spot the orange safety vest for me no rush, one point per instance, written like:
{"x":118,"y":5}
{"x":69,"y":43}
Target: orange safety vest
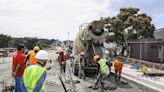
{"x":118,"y":66}
{"x":32,"y":59}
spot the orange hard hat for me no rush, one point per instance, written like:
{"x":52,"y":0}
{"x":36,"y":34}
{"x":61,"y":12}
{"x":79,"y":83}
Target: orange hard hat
{"x":96,"y":58}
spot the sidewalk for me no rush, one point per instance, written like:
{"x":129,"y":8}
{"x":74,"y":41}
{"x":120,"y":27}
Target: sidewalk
{"x":155,"y":83}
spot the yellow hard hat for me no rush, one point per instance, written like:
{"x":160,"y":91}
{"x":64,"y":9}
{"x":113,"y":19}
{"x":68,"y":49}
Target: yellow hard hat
{"x":96,"y":57}
{"x":36,"y":48}
{"x":144,"y":69}
{"x":82,"y":53}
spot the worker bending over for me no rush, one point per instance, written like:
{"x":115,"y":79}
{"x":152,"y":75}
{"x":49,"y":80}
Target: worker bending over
{"x":103,"y":71}
{"x":118,"y":69}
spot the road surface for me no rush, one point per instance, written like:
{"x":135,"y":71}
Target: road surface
{"x":53,"y":83}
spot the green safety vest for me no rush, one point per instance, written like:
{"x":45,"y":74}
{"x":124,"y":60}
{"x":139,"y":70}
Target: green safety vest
{"x":31,"y":76}
{"x":82,"y":62}
{"x":104,"y":69}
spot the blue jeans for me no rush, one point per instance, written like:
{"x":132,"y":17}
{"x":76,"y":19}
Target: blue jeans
{"x":17,"y":84}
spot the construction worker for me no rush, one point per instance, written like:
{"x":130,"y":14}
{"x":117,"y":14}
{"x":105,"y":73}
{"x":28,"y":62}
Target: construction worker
{"x":35,"y":75}
{"x":103,"y":71}
{"x":18,"y":66}
{"x":62,"y":61}
{"x":32,"y":55}
{"x":82,"y":65}
{"x":118,"y":69}
{"x":28,"y":56}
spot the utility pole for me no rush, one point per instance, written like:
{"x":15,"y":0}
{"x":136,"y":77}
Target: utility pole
{"x":68,"y":40}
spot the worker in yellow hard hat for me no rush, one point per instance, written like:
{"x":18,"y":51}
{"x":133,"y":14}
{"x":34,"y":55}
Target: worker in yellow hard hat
{"x":32,"y":55}
{"x":118,"y":69}
{"x":103,"y":70}
{"x":28,"y":56}
{"x":82,"y":65}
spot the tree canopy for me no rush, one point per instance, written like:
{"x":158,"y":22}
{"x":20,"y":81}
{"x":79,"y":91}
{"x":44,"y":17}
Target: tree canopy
{"x":129,"y":24}
{"x":4,"y":40}
{"x":8,"y":41}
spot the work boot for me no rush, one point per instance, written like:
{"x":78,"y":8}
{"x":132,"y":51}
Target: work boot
{"x":84,"y":78}
{"x":95,"y":88}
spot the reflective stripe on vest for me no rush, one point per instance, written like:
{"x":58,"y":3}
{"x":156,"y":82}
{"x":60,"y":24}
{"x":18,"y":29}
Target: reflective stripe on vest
{"x":103,"y":67}
{"x":31,"y":76}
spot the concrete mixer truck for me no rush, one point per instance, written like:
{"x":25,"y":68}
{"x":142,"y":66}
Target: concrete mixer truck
{"x":90,"y":40}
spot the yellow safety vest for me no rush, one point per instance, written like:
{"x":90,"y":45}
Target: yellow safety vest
{"x":83,"y":61}
{"x":104,"y":69}
{"x":31,"y":76}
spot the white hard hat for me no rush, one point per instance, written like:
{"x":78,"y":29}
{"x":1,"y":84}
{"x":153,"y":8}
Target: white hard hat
{"x":107,"y":52}
{"x":60,"y":49}
{"x":42,"y":55}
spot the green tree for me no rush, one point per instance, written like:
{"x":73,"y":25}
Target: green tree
{"x":7,"y":41}
{"x":4,"y":40}
{"x":30,"y":42}
{"x":129,"y":24}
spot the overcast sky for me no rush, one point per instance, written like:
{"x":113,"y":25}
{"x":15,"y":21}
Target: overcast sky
{"x":55,"y":18}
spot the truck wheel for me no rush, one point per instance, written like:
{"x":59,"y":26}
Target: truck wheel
{"x":76,"y":70}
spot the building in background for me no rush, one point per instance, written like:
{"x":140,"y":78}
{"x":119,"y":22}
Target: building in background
{"x":150,"y":49}
{"x":147,"y":49}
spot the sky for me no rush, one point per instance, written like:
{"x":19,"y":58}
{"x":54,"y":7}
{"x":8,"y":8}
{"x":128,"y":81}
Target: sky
{"x":54,"y":19}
